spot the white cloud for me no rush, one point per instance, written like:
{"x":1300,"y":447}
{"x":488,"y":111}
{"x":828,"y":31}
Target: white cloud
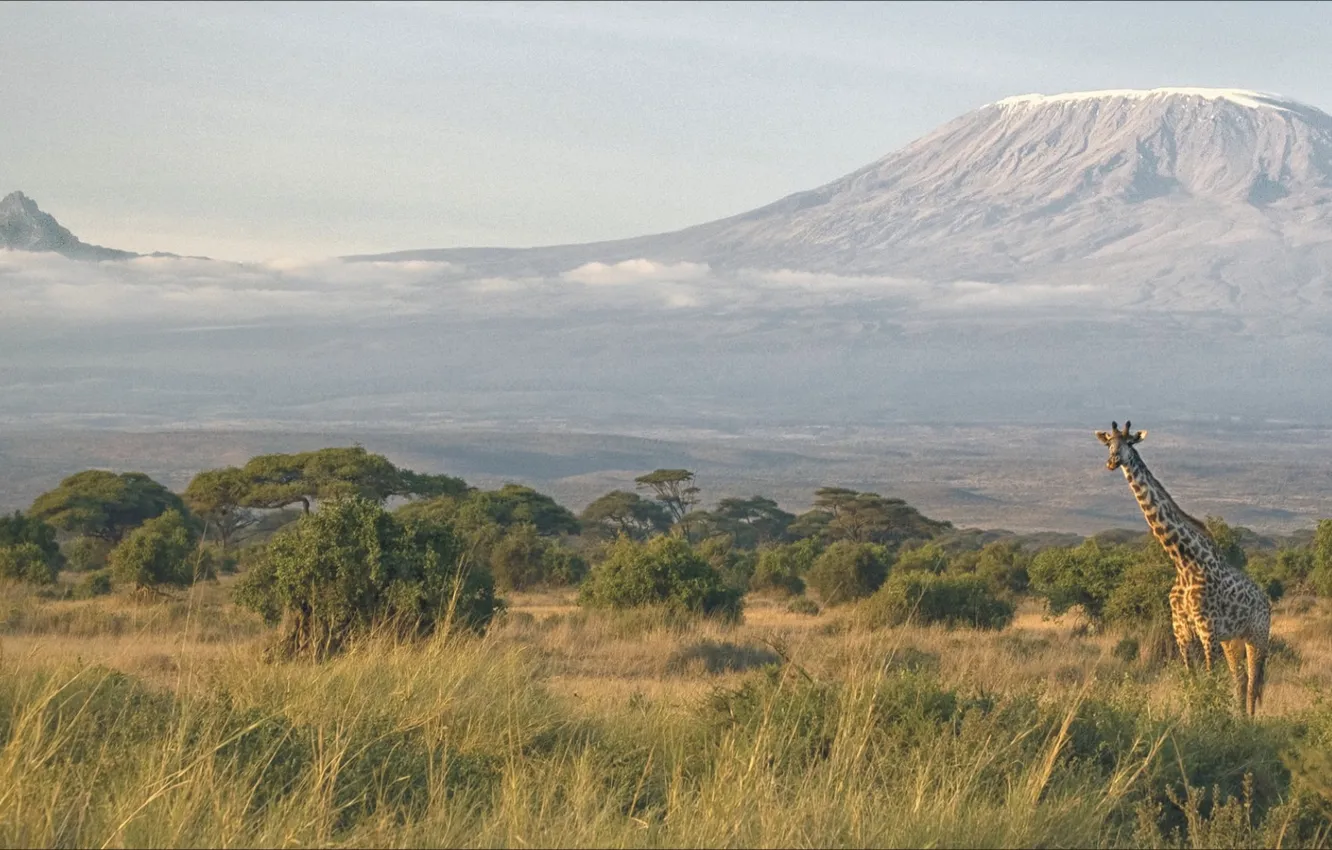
{"x":487,"y":285}
{"x":635,"y":271}
{"x":47,"y":287}
{"x":682,"y":296}
{"x":826,"y":281}
{"x":971,"y":294}
{"x":43,"y":289}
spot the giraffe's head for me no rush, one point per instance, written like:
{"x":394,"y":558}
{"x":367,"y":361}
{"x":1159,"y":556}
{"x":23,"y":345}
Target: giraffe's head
{"x":1119,"y":442}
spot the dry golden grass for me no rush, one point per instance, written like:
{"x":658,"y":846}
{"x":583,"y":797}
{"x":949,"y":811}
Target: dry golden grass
{"x":596,"y":659}
{"x":599,"y":659}
{"x":600,"y":729}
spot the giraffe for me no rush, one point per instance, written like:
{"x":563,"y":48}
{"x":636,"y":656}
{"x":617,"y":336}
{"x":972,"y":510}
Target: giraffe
{"x":1211,"y":601}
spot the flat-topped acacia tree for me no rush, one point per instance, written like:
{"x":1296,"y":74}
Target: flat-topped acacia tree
{"x":621,"y":512}
{"x":218,"y":497}
{"x":279,"y":480}
{"x":228,"y":498}
{"x":840,"y":513}
{"x":676,"y":490}
{"x":104,"y":505}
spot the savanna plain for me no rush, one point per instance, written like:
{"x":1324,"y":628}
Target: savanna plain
{"x":137,"y":725}
{"x":634,"y":676}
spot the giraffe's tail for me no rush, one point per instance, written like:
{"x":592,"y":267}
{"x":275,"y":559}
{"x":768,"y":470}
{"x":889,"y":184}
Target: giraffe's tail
{"x":1257,"y":659}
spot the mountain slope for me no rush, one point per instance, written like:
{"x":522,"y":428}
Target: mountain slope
{"x":24,"y":227}
{"x":1212,"y":197}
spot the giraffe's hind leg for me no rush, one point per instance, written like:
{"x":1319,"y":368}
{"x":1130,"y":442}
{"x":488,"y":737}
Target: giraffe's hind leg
{"x":1234,"y":650}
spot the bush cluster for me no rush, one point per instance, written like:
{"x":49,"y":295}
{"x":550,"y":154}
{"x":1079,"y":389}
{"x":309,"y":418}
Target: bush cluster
{"x":352,"y":568}
{"x":847,"y":571}
{"x":28,"y":550}
{"x":925,"y":598}
{"x":664,"y":571}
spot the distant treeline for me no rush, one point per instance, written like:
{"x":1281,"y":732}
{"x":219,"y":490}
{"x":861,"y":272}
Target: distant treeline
{"x":337,"y":540}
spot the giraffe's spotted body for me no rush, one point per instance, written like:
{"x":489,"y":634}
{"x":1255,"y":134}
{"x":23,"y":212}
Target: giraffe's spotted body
{"x":1212,"y":602}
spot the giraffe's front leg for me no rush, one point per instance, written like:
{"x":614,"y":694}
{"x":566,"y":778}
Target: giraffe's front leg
{"x":1182,"y":627}
{"x":1211,"y":646}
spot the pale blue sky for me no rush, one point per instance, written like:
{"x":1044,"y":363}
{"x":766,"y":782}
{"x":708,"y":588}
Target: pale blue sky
{"x":253,"y":131}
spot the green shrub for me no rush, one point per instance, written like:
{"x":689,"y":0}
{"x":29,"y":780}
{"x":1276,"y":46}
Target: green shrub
{"x":523,"y":559}
{"x":97,"y":583}
{"x":1314,"y":561}
{"x":1320,"y":580}
{"x":733,"y":564}
{"x":847,"y":571}
{"x":1227,"y":542}
{"x":209,"y":560}
{"x":929,"y":558}
{"x":1083,"y":576}
{"x":1141,"y":597}
{"x":514,"y":504}
{"x":156,"y":553}
{"x":516,"y":560}
{"x":664,"y":571}
{"x":1283,"y":571}
{"x":803,"y":554}
{"x":778,"y":569}
{"x":352,"y":567}
{"x":1274,"y":588}
{"x":926,"y":598}
{"x":1218,"y":749}
{"x":1003,"y":564}
{"x":85,"y":554}
{"x":562,"y":567}
{"x":26,"y":562}
{"x":28,"y":550}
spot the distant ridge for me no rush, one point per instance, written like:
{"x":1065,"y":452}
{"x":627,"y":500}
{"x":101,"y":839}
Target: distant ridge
{"x":25,"y":227}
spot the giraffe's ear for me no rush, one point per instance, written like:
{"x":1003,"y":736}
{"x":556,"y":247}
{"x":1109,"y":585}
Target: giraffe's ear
{"x":1138,"y":437}
{"x":1103,"y":436}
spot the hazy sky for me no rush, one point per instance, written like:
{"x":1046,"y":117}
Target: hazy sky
{"x":254,"y":131}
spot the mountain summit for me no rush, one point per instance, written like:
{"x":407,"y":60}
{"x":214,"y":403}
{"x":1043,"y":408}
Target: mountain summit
{"x":1213,"y":194}
{"x":24,"y":227}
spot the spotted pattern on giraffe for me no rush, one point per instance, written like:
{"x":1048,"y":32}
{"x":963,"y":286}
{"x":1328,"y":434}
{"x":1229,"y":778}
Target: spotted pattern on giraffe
{"x":1212,"y":604}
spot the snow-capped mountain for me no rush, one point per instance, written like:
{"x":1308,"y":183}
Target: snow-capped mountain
{"x":1177,"y":197}
{"x":24,"y":227}
{"x":1156,"y":255}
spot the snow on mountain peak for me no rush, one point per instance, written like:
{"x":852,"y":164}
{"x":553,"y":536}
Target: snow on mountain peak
{"x":1241,"y":97}
{"x":1211,"y":198}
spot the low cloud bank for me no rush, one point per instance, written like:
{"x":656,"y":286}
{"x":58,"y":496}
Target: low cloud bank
{"x":640,"y":341}
{"x":39,"y":288}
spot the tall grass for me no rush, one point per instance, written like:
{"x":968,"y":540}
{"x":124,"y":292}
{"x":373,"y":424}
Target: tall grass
{"x":616,"y":731}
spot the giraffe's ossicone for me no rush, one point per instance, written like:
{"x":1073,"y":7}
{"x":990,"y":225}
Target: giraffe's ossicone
{"x":1211,"y":601}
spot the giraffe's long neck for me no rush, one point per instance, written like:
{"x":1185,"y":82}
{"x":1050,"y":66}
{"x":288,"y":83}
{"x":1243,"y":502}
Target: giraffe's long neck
{"x":1183,"y":538}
